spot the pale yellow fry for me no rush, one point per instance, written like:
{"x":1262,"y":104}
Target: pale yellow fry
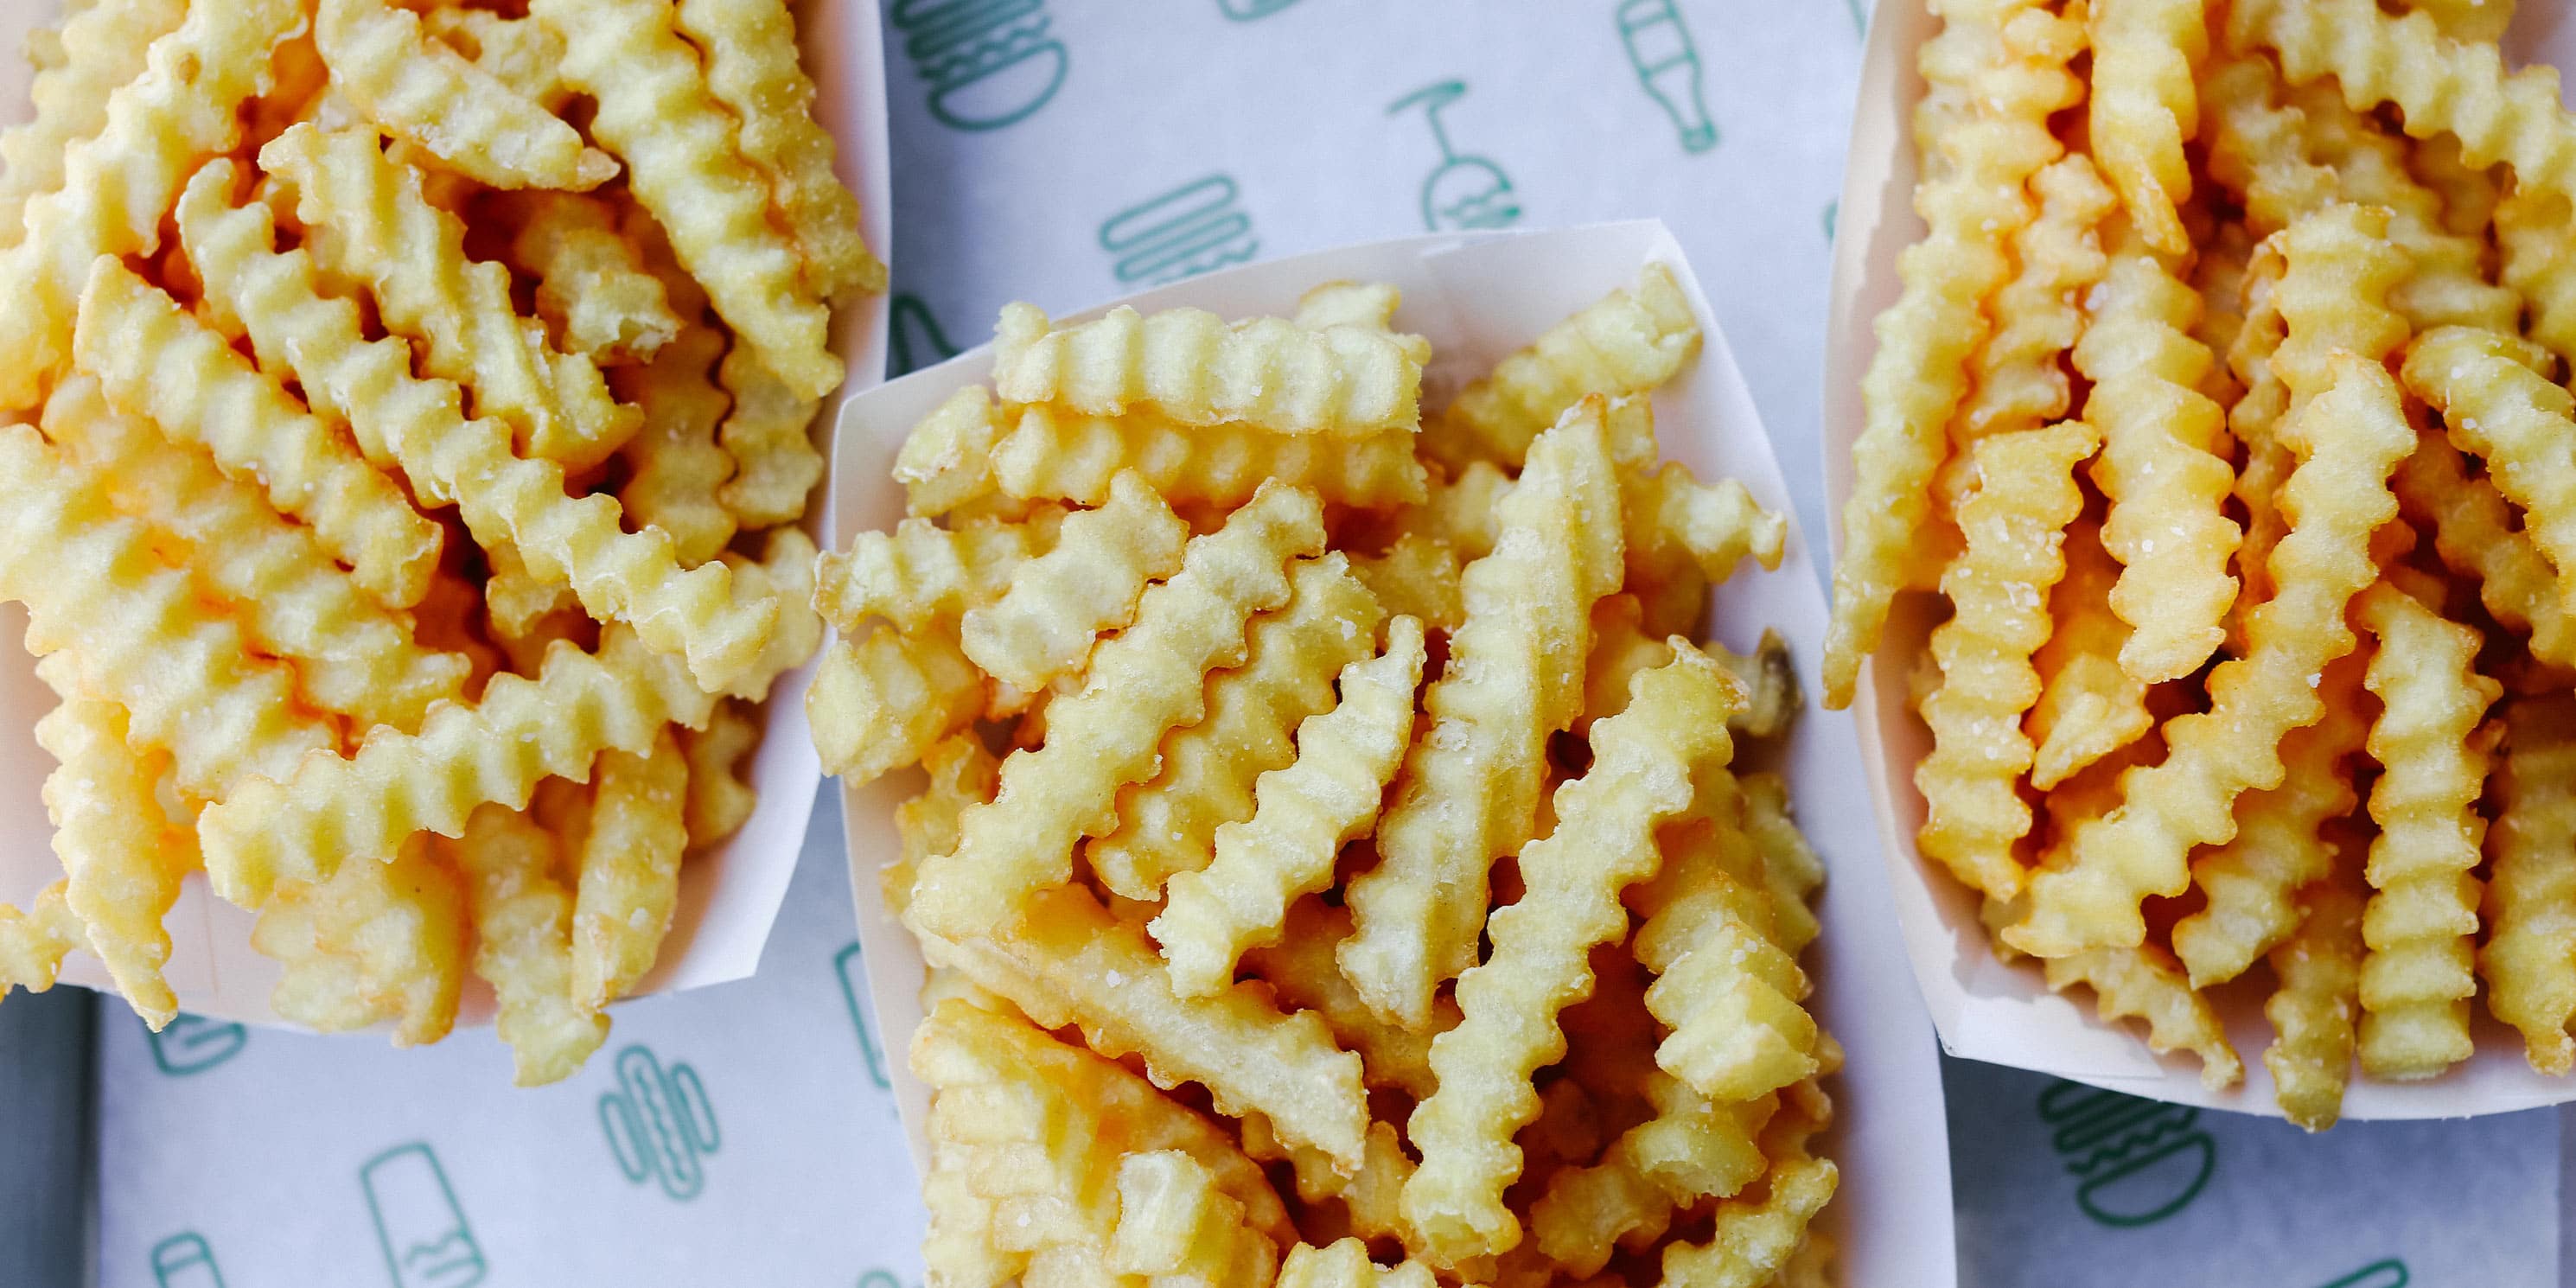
{"x":2088,"y":707}
{"x":783,"y":575}
{"x":2339,"y":270}
{"x":1299,"y":967}
{"x":1197,"y":369}
{"x":34,"y":942}
{"x":2423,"y":914}
{"x":1168,"y":824}
{"x":1416,"y":577}
{"x":685,"y":163}
{"x":2535,"y":232}
{"x":1370,"y":1200}
{"x":1997,"y":71}
{"x":2145,"y":984}
{"x":1143,"y":682}
{"x":947,"y":459}
{"x":674,"y":462}
{"x":2255,"y":420}
{"x":1469,"y":789}
{"x":2221,"y":275}
{"x":1753,"y":1239}
{"x":2160,"y":466}
{"x":2349,"y":439}
{"x":94,"y":51}
{"x":629,"y":869}
{"x":768,"y":434}
{"x":2016,"y":378}
{"x":518,"y":603}
{"x":1630,"y":341}
{"x":2470,"y":194}
{"x":1305,"y":812}
{"x":384,"y":232}
{"x":2144,"y":108}
{"x":1640,"y":777}
{"x":299,"y":828}
{"x":2015,"y":522}
{"x":877,"y":705}
{"x":117,"y":184}
{"x":352,"y":654}
{"x":153,"y":360}
{"x":1059,"y":603}
{"x":122,"y":858}
{"x":1346,"y":1264}
{"x":1623,"y":1200}
{"x":2529,"y":959}
{"x":2312,"y":1009}
{"x":421,"y":91}
{"x":591,"y":283}
{"x":2467,"y":19}
{"x":1460,"y":510}
{"x":1176,"y":1226}
{"x":1053,"y":455}
{"x":522,"y":53}
{"x":1678,"y":526}
{"x":376,"y":940}
{"x":752,"y":68}
{"x":1791,"y":869}
{"x":922,"y":573}
{"x":720,"y":796}
{"x":2475,"y":533}
{"x":2252,"y":883}
{"x":2494,"y":404}
{"x":962,"y":773}
{"x":2371,"y":167}
{"x":522,"y":919}
{"x":142,"y":636}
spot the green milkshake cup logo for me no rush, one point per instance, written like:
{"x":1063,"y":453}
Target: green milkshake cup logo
{"x":1181,"y":233}
{"x":2386,"y":1273}
{"x":1462,"y":192}
{"x":917,"y":341}
{"x":1667,"y":65}
{"x":1250,"y":10}
{"x":419,"y":1226}
{"x":853,"y":971}
{"x":193,"y":1044}
{"x":184,"y":1261}
{"x":2138,"y":1161}
{"x":990,"y":63}
{"x":659,"y":1123}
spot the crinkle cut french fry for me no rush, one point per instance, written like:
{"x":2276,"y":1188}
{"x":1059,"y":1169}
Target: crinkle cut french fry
{"x":1459,"y":510}
{"x":674,"y":462}
{"x":1677,"y":526}
{"x":2000,"y":67}
{"x":384,"y":232}
{"x":1368,"y":305}
{"x":2143,"y":983}
{"x":1053,"y":455}
{"x":2016,"y":378}
{"x":685,"y":164}
{"x":1197,"y":369}
{"x":1640,"y":777}
{"x":2529,"y":959}
{"x":922,"y":573}
{"x":1791,"y":869}
{"x":720,"y":799}
{"x":2467,"y":19}
{"x":34,"y":942}
{"x":1146,"y":680}
{"x":2470,"y":194}
{"x":2449,"y":283}
{"x":154,"y":360}
{"x":2495,"y":404}
{"x":522,"y":919}
{"x":962,"y":773}
{"x":1299,"y":968}
{"x":767,"y":433}
{"x":592,"y":286}
{"x":1058,"y":604}
{"x":1176,"y":1226}
{"x":377,"y":940}
{"x":1628,"y":342}
{"x":516,"y":601}
{"x":96,"y":50}
{"x":2475,"y":533}
{"x":2255,"y":420}
{"x":2220,"y":275}
{"x":2145,"y":108}
{"x":1469,"y":789}
{"x":504,"y":498}
{"x":1622,"y":1200}
{"x":2252,"y":883}
{"x":629,"y":869}
{"x":1417,"y":577}
{"x":2025,"y":496}
{"x":947,"y":459}
{"x":1346,"y":1264}
{"x":1306,"y":811}
{"x":1752,"y":1239}
{"x":297,"y":827}
{"x":145,"y":638}
{"x":2535,"y":232}
{"x":783,"y":575}
{"x":752,"y":68}
{"x":2423,"y":913}
{"x":2160,"y":466}
{"x":122,"y":857}
{"x":1370,"y":1199}
{"x":521,"y":53}
{"x":422,"y":91}
{"x":2349,"y":440}
{"x":877,"y":705}
{"x":117,"y":184}
{"x":2312,"y":1009}
{"x":2088,"y":707}
{"x":1167,"y":824}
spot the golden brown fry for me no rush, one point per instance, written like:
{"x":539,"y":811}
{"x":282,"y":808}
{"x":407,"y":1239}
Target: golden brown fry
{"x":2529,"y":959}
{"x":2312,"y":1010}
{"x":377,"y":940}
{"x":2144,"y":108}
{"x":2495,"y":403}
{"x":2088,"y":707}
{"x":2475,"y":533}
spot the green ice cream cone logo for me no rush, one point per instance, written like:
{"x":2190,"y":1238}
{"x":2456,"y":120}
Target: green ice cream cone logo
{"x":854,"y":983}
{"x":193,"y":1044}
{"x":1251,"y":10}
{"x":1462,"y":192}
{"x":2136,"y":1162}
{"x":989,"y":63}
{"x":659,"y":1123}
{"x":184,"y":1261}
{"x":915,"y":340}
{"x":419,"y":1226}
{"x":1189,"y":230}
{"x":1667,"y":65}
{"x":2386,"y":1273}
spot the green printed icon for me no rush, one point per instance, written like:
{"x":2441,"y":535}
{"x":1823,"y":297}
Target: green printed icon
{"x":184,"y":1261}
{"x":917,"y":340}
{"x":1250,"y":10}
{"x":854,"y":984}
{"x":659,"y":1123}
{"x":1461,"y":192}
{"x":2387,"y":1272}
{"x":1181,"y":233}
{"x":879,"y":1279}
{"x":421,"y":1230}
{"x":990,"y":63}
{"x":1832,"y":208}
{"x":193,"y":1044}
{"x":2139,"y":1161}
{"x":1659,"y":48}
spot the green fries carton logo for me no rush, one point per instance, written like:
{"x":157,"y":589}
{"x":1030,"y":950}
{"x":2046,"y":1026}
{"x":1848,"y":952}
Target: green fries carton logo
{"x":2136,"y":1161}
{"x":1181,"y":233}
{"x":184,"y":1261}
{"x":990,"y":63}
{"x":854,"y":982}
{"x":2386,"y":1273}
{"x":1251,"y":10}
{"x":192,"y":1044}
{"x":1667,"y":65}
{"x":419,"y":1226}
{"x":659,"y":1123}
{"x":917,"y":340}
{"x":1461,"y":192}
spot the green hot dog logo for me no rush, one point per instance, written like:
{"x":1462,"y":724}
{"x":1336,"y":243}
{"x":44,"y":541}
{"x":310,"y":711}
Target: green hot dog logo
{"x":184,"y":1261}
{"x":1192,"y":228}
{"x":854,"y":983}
{"x":659,"y":1123}
{"x":419,"y":1226}
{"x":990,"y":63}
{"x":194,"y":1044}
{"x":1462,"y":191}
{"x":2137,"y":1161}
{"x":1667,"y":66}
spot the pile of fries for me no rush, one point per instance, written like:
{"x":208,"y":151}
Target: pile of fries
{"x":1258,"y":707}
{"x":405,"y":501}
{"x":2286,"y":689}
